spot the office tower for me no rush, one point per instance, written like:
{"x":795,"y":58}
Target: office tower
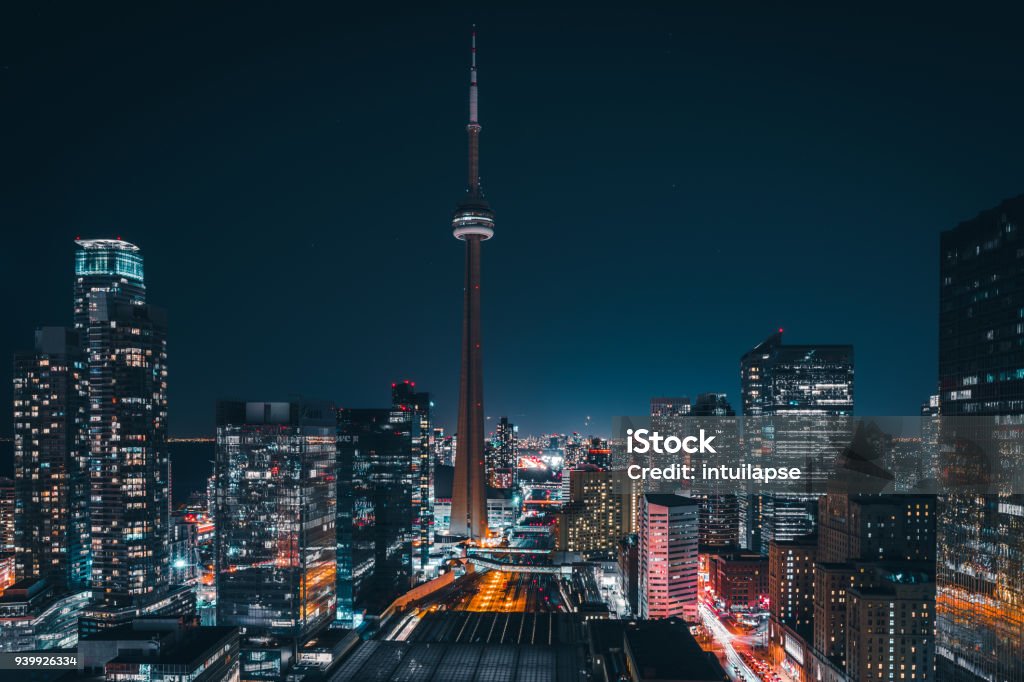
{"x":51,"y":460}
{"x":411,"y":415}
{"x":473,"y":223}
{"x":598,"y":512}
{"x":668,"y":556}
{"x":275,"y":552}
{"x":502,"y":455}
{"x":719,"y":506}
{"x":891,"y":628}
{"x":979,"y":619}
{"x":805,"y":379}
{"x":796,"y":399}
{"x":124,"y":341}
{"x":375,"y":510}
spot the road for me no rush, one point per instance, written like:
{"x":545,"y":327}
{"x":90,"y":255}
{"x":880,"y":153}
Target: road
{"x":725,"y":638}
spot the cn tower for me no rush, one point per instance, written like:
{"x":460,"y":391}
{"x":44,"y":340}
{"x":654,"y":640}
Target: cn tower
{"x":473,"y":223}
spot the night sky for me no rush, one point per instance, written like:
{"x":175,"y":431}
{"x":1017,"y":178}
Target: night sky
{"x":671,"y":184}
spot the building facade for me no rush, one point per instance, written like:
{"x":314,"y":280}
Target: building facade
{"x":51,"y":467}
{"x":276,"y":516}
{"x":796,"y":400}
{"x":668,"y":557}
{"x":124,"y":341}
{"x":980,"y":621}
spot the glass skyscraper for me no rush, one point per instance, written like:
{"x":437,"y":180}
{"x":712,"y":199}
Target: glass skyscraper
{"x":980,"y":581}
{"x":791,"y":395}
{"x":377,"y":448}
{"x":276,"y":515}
{"x":410,"y":412}
{"x":124,"y":342}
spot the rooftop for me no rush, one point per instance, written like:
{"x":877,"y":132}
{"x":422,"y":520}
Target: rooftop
{"x":117,"y":244}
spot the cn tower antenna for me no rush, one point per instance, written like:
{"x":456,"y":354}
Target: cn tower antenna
{"x":473,"y":128}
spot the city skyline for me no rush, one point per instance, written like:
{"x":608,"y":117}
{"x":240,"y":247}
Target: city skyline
{"x":292,"y":185}
{"x":764,"y":234}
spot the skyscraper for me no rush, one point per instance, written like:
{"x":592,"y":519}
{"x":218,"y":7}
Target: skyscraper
{"x":797,"y":379}
{"x":502,"y":455}
{"x":719,"y":509}
{"x":598,"y":512}
{"x":411,"y":414}
{"x":668,"y":557}
{"x":378,"y":515}
{"x":979,"y":619}
{"x":473,"y":223}
{"x":275,"y":554}
{"x":796,"y":400}
{"x":51,"y":459}
{"x":125,"y":346}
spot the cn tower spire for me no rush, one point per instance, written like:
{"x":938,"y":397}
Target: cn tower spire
{"x":473,"y":128}
{"x":473,"y":223}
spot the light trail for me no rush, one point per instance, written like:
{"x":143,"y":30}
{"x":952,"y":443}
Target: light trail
{"x":724,"y":637}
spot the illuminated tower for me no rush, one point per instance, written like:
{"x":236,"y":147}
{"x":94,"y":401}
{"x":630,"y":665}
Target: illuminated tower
{"x":473,"y":223}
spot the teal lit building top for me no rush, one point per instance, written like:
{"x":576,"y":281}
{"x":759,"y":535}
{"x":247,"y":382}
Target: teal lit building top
{"x":108,"y":257}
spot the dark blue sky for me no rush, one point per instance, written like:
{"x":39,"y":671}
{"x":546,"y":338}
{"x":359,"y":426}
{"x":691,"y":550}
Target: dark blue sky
{"x":671,"y":184}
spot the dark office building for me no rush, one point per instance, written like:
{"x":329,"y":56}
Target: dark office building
{"x":719,"y":509}
{"x":411,"y":414}
{"x":51,"y":468}
{"x":789,"y":394}
{"x":376,"y":509}
{"x":275,"y":546}
{"x":979,"y":619}
{"x":780,"y":378}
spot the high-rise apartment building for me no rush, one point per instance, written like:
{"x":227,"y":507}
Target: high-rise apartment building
{"x":501,"y":455}
{"x":51,"y":467}
{"x":979,"y":619}
{"x":598,"y":512}
{"x":124,"y":341}
{"x":668,"y":556}
{"x":276,"y":515}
